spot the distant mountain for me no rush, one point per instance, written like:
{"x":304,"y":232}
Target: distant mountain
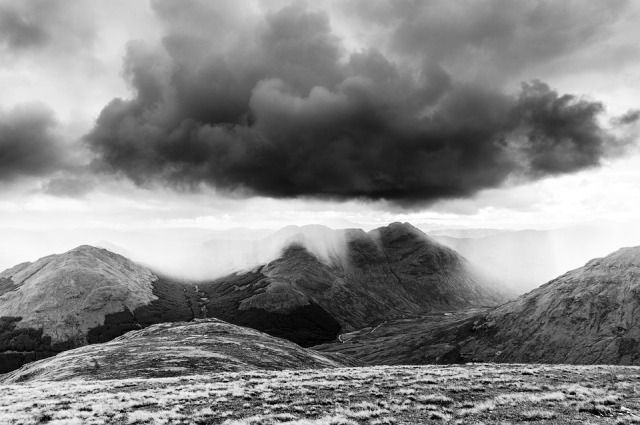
{"x":391,"y":272}
{"x":590,"y":315}
{"x":177,"y":349}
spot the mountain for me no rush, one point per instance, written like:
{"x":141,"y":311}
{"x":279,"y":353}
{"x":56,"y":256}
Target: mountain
{"x":391,"y":272}
{"x":324,"y":282}
{"x":590,"y":315}
{"x":177,"y":349}
{"x":85,"y":295}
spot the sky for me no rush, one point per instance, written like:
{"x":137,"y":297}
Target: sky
{"x":165,"y":116}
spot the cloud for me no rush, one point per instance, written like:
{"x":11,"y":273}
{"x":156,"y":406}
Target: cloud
{"x":30,"y":25}
{"x":488,"y":39}
{"x":282,"y":108}
{"x":29,"y":145}
{"x":628,"y":118}
{"x":69,"y":186}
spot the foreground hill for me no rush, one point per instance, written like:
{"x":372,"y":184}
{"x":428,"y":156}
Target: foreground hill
{"x":176,"y":349}
{"x":587,"y":316}
{"x":391,"y":272}
{"x":471,"y":394}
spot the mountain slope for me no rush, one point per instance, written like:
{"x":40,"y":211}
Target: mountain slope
{"x":85,"y":295}
{"x":177,"y":349}
{"x":590,"y":315}
{"x":391,"y":272}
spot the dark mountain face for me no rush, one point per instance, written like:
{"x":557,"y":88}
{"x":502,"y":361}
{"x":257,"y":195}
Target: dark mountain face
{"x":391,"y":272}
{"x":177,"y":349}
{"x":590,"y":315}
{"x":90,"y":295}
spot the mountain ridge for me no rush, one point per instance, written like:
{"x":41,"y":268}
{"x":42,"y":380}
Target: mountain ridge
{"x":589,"y":315}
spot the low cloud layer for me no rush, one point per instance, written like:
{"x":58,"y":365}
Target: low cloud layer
{"x":284,"y":109}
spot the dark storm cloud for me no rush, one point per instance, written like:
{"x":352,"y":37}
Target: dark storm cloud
{"x":281,"y":108}
{"x":29,"y":25}
{"x":28,"y":143}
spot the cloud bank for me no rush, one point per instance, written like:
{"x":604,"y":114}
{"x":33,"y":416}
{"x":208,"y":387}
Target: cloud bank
{"x":276,"y":105}
{"x":401,"y":100}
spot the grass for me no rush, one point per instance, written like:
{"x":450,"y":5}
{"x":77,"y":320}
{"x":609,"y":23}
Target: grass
{"x":478,"y":393}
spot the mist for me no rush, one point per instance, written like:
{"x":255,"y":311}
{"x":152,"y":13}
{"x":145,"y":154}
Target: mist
{"x":525,"y":259}
{"x":189,"y":254}
{"x":519,"y":260}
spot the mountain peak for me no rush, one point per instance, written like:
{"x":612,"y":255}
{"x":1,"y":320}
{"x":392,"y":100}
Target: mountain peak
{"x":402,"y":231}
{"x":92,"y":251}
{"x":86,"y":248}
{"x":399,"y":227}
{"x":67,"y":294}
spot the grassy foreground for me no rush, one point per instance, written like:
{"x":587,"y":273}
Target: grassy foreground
{"x":468,"y":394}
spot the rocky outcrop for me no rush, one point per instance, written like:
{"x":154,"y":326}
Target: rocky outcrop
{"x":177,"y":349}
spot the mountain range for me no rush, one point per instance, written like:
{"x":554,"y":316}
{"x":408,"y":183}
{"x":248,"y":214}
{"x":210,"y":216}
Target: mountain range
{"x":389,"y":296}
{"x":90,"y":295}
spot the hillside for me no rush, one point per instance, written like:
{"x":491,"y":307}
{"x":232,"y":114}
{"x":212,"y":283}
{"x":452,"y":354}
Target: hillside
{"x":176,"y":349}
{"x":586,"y":316}
{"x":391,"y":272}
{"x":85,"y":295}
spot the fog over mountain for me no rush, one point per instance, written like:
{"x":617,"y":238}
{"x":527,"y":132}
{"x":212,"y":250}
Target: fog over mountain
{"x":521,"y":260}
